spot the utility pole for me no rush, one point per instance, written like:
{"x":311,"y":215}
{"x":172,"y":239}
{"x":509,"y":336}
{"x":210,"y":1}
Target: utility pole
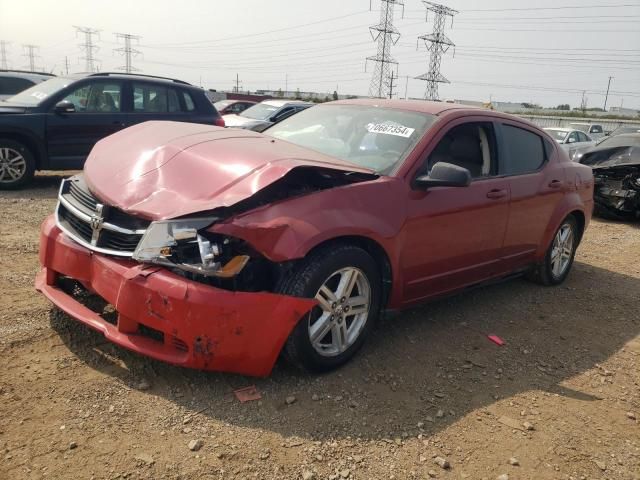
{"x":90,"y":62}
{"x":386,"y":35}
{"x":31,"y":54}
{"x":4,"y":64}
{"x":286,"y":84}
{"x":127,"y":50}
{"x":583,"y":102}
{"x":66,"y":64}
{"x":237,"y":87}
{"x":391,"y":84}
{"x":406,"y":86}
{"x":437,"y":43}
{"x":607,"y":95}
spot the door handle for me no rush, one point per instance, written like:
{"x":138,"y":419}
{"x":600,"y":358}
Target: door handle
{"x":555,"y":184}
{"x":495,"y":194}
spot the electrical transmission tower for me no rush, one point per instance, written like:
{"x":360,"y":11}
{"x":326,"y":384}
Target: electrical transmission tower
{"x":437,"y":43}
{"x":90,"y":62}
{"x":31,"y":54}
{"x":4,"y":64}
{"x":386,"y":35}
{"x":128,"y":51}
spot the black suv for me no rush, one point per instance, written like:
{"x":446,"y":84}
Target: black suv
{"x":54,"y":125}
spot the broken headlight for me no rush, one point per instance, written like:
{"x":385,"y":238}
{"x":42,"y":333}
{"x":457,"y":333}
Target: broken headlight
{"x":182,"y":244}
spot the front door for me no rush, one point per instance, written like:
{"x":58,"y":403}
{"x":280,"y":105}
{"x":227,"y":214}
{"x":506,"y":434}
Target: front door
{"x":454,"y":235}
{"x":98,"y":113}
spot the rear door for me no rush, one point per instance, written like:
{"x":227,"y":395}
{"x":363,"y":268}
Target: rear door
{"x":98,"y":113}
{"x":537,"y":184}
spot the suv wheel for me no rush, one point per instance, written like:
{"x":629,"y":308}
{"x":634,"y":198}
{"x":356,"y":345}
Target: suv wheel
{"x":17,"y":164}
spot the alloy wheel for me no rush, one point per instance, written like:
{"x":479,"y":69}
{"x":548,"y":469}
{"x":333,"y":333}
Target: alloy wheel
{"x":562,"y":250}
{"x":344,"y":302}
{"x":13,"y":165}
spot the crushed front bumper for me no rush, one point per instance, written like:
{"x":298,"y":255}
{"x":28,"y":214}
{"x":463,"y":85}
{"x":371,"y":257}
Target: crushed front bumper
{"x":165,"y":316}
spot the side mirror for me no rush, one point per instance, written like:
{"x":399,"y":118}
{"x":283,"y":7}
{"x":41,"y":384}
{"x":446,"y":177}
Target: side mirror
{"x":64,"y":107}
{"x":444,"y":175}
{"x":571,"y":140}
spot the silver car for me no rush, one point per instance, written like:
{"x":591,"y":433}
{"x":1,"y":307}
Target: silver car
{"x":571,"y":140}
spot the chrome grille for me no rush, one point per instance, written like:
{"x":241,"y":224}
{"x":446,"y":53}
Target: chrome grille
{"x":94,"y":225}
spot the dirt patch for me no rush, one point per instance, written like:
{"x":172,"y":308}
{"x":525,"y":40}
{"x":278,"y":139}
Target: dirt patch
{"x":561,"y":399}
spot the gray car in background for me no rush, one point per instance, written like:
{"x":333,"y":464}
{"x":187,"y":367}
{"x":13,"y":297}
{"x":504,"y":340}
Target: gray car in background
{"x":15,"y":81}
{"x":264,"y":114}
{"x":571,"y":140}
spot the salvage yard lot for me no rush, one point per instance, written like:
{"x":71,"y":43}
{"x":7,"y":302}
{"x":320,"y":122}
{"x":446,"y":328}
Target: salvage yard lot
{"x":427,"y":384}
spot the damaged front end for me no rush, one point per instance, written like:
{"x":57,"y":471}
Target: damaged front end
{"x":617,"y":191}
{"x":616,"y":172}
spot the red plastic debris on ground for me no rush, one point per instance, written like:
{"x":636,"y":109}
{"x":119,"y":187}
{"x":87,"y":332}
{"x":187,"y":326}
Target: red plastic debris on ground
{"x":247,"y":394}
{"x":496,"y":339}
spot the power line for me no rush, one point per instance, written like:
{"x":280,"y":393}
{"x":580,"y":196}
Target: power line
{"x":4,"y":64}
{"x":437,"y":43}
{"x":386,"y":35}
{"x":90,"y":62}
{"x":31,"y":54}
{"x":566,"y":7}
{"x":128,"y":51}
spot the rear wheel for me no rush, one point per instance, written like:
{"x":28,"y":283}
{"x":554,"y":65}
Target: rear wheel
{"x":346,"y":283}
{"x":559,"y":257}
{"x":17,"y":164}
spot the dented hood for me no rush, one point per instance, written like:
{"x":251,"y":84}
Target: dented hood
{"x":161,"y":170}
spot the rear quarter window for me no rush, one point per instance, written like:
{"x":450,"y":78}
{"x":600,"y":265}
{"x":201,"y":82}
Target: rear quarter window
{"x":13,"y":85}
{"x":524,"y":151}
{"x":188,"y":101}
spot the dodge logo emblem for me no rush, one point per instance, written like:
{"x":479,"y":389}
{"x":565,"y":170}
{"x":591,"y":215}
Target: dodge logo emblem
{"x":96,"y":223}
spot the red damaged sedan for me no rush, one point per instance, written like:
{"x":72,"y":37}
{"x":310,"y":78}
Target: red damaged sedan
{"x":219,"y":249}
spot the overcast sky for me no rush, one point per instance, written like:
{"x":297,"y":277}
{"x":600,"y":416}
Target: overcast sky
{"x":507,"y":50}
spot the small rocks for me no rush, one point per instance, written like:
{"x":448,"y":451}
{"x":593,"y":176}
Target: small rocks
{"x":195,"y":445}
{"x":315,"y":397}
{"x":631,"y":416}
{"x":601,"y":465}
{"x":145,"y":458}
{"x":73,"y":445}
{"x":112,"y":409}
{"x":504,"y":476}
{"x":308,"y":475}
{"x":143,"y":385}
{"x":528,"y":426}
{"x":345,"y":473}
{"x":422,"y":458}
{"x":442,"y":463}
{"x":290,"y":400}
{"x":432,"y":474}
{"x":440,"y":414}
{"x":514,"y":462}
{"x":264,"y":455}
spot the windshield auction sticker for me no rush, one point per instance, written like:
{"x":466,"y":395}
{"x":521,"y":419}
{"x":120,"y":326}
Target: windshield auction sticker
{"x":387,"y":129}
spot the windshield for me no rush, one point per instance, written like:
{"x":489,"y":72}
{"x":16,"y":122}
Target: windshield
{"x":620,"y":141}
{"x":36,"y":94}
{"x":260,"y":111}
{"x":557,"y":134}
{"x":368,"y":136}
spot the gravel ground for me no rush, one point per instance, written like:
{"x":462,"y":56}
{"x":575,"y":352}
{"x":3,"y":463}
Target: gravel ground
{"x":428,"y":397}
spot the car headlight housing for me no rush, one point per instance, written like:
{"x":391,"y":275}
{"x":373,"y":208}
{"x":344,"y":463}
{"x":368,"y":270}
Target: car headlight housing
{"x":182,"y":244}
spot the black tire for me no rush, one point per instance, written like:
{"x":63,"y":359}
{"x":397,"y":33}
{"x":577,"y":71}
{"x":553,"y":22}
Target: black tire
{"x":29,"y":167}
{"x":543,"y":273}
{"x":305,"y":281}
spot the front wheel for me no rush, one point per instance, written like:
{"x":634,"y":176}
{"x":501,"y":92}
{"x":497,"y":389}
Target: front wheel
{"x":559,"y":257}
{"x":346,"y":283}
{"x":17,"y":164}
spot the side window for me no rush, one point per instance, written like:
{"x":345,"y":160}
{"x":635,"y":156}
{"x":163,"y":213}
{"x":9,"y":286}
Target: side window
{"x":188,"y":102}
{"x":96,"y":97}
{"x":524,"y":151}
{"x":149,"y":98}
{"x":595,"y":129}
{"x":470,"y":145}
{"x":283,"y":114}
{"x":582,"y":137}
{"x":573,"y":137}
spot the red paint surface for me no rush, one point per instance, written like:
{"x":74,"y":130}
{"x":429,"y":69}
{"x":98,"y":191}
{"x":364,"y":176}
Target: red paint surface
{"x":224,"y":331}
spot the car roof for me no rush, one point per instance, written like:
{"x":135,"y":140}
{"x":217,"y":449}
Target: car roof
{"x":26,"y":74}
{"x":562,"y":129}
{"x":131,"y":76}
{"x":423,"y":106}
{"x":282,"y":103}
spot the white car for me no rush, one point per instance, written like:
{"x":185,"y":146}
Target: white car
{"x":265,"y":114}
{"x":571,"y":140}
{"x":594,"y":130}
